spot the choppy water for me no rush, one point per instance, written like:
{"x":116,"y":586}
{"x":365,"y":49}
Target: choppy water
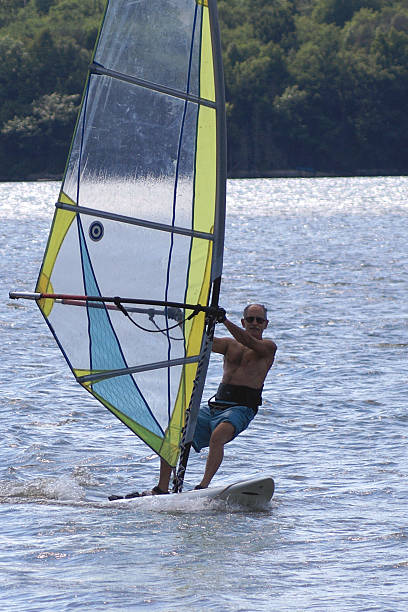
{"x":329,"y":259}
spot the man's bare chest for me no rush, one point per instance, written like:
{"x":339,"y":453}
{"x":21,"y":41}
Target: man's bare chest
{"x":244,"y":357}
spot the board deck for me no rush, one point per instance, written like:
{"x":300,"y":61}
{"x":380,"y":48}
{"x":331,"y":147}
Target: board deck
{"x":256,"y":492}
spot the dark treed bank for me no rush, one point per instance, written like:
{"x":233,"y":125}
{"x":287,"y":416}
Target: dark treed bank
{"x":314,"y":87}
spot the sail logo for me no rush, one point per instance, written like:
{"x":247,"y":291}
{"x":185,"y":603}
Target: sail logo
{"x":96,"y":231}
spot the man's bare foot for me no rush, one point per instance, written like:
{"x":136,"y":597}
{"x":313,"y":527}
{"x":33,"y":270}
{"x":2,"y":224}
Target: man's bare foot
{"x":155,"y":491}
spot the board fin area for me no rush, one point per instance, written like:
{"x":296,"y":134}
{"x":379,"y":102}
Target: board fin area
{"x":253,"y":493}
{"x":250,"y":492}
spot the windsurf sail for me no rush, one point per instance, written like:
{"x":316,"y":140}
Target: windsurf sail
{"x":140,"y":215}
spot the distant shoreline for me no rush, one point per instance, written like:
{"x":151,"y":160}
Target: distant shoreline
{"x":310,"y":173}
{"x":245,"y":174}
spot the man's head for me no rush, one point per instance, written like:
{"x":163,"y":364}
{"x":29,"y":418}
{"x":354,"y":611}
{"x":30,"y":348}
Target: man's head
{"x":254,"y":319}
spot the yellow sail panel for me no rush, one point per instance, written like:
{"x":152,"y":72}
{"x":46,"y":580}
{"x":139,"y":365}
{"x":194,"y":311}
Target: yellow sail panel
{"x":194,"y":333}
{"x":199,"y":268}
{"x":170,"y":448}
{"x":61,"y":223}
{"x":207,"y":85}
{"x":206,"y":170}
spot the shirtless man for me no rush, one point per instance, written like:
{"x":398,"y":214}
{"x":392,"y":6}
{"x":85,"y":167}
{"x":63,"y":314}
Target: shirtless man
{"x":247,"y":360}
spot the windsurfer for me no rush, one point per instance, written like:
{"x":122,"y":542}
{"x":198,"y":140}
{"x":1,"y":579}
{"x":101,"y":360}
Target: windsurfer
{"x":248,"y":358}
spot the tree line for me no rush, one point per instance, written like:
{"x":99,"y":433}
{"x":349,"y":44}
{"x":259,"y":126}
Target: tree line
{"x":312,"y":86}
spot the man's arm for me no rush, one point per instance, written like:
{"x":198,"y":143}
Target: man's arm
{"x":266,"y":348}
{"x":220,"y":345}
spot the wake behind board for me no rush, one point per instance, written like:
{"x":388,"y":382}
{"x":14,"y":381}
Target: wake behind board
{"x":254,"y":493}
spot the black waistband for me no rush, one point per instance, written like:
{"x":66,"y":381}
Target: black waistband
{"x":238,"y":395}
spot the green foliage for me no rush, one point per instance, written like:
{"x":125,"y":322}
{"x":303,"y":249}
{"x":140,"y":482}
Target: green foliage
{"x":341,"y":11}
{"x":272,"y":21}
{"x":50,"y":113}
{"x":15,"y":77}
{"x":43,"y":6}
{"x":334,"y":102}
{"x":316,"y":84}
{"x":9,"y":10}
{"x":51,"y":120}
{"x":44,"y":54}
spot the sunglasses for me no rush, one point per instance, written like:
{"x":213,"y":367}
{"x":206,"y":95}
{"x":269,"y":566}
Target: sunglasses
{"x":252,"y":319}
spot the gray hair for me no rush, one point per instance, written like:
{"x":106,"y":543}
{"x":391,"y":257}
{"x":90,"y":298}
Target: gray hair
{"x":260,"y":305}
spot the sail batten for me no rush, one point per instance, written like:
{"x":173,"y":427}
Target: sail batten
{"x":98,"y":69}
{"x":148,"y":154}
{"x":132,"y":370}
{"x":133,"y":221}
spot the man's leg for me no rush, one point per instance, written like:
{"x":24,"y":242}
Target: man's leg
{"x":164,"y":479}
{"x":165,"y":473}
{"x":223,"y":433}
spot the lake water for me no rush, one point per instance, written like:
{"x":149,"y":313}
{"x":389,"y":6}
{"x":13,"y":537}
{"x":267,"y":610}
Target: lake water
{"x":328,"y":257}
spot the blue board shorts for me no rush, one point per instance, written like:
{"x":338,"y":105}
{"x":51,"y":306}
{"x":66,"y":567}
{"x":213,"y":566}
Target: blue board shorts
{"x":208,"y":419}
